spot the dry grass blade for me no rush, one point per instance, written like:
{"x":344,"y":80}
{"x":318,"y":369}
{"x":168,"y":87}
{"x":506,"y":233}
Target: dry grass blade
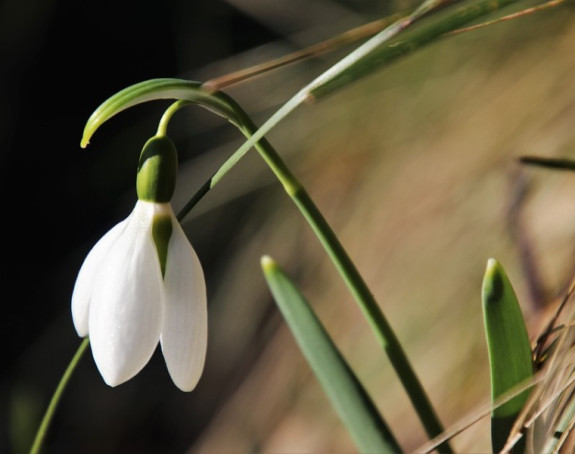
{"x":567,"y":432}
{"x":543,"y":339}
{"x":552,"y":396}
{"x":351,"y":36}
{"x":522,"y":13}
{"x":476,"y":415}
{"x":550,"y":163}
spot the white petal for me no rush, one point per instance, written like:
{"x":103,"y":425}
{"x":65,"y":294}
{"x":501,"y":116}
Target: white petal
{"x":127,"y":307}
{"x":185,"y":334}
{"x":87,"y":276}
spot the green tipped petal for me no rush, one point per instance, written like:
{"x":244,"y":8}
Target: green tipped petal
{"x":509,"y":348}
{"x":162,"y":232}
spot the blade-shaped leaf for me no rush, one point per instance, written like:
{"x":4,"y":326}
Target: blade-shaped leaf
{"x":448,"y":21}
{"x":343,"y":388}
{"x":510,"y":358}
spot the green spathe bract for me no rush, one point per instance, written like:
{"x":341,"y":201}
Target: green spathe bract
{"x":509,"y":349}
{"x":157,"y":170}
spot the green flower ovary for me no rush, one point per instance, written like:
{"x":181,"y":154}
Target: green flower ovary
{"x":157,"y":170}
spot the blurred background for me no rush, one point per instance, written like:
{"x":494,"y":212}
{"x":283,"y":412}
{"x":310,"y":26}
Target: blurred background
{"x":415,"y":167}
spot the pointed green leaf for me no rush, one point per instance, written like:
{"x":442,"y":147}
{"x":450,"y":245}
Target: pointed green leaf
{"x":510,"y":358}
{"x":343,"y":388}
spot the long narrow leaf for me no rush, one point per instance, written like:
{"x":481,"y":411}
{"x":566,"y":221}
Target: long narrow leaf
{"x":509,"y":349}
{"x":346,"y":393}
{"x":152,"y":90}
{"x":411,"y":41}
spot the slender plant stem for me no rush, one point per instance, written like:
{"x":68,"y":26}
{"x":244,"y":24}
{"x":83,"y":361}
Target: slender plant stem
{"x":346,"y":268}
{"x":359,"y":290}
{"x":349,"y":37}
{"x":49,"y":415}
{"x":168,"y":114}
{"x":346,"y":38}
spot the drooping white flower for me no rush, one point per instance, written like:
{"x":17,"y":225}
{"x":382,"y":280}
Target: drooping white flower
{"x":142,"y":283}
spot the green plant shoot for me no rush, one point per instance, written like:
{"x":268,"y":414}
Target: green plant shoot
{"x":510,"y":358}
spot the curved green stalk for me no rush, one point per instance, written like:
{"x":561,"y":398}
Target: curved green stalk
{"x":413,"y":40}
{"x":343,"y":263}
{"x":47,"y":419}
{"x":352,"y":279}
{"x":168,"y":114}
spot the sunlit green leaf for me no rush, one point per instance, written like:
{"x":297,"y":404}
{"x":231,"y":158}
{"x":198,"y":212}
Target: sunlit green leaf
{"x":510,"y":358}
{"x":346,"y":393}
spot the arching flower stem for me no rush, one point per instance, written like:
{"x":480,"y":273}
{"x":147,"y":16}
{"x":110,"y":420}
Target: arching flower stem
{"x":343,"y":263}
{"x":47,"y":419}
{"x":169,"y":113}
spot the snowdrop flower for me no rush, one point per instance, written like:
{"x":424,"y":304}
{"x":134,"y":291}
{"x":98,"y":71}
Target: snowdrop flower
{"x":142,"y":283}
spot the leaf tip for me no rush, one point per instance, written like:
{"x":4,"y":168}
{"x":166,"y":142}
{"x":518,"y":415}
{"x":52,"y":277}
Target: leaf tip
{"x":86,"y":134}
{"x":493,"y":284}
{"x":267,"y":263}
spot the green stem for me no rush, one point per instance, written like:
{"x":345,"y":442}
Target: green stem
{"x":359,"y":290}
{"x":168,"y":114}
{"x":49,"y":415}
{"x":344,"y":265}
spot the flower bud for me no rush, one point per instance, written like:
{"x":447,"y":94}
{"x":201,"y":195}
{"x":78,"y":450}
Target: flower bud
{"x":157,"y":170}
